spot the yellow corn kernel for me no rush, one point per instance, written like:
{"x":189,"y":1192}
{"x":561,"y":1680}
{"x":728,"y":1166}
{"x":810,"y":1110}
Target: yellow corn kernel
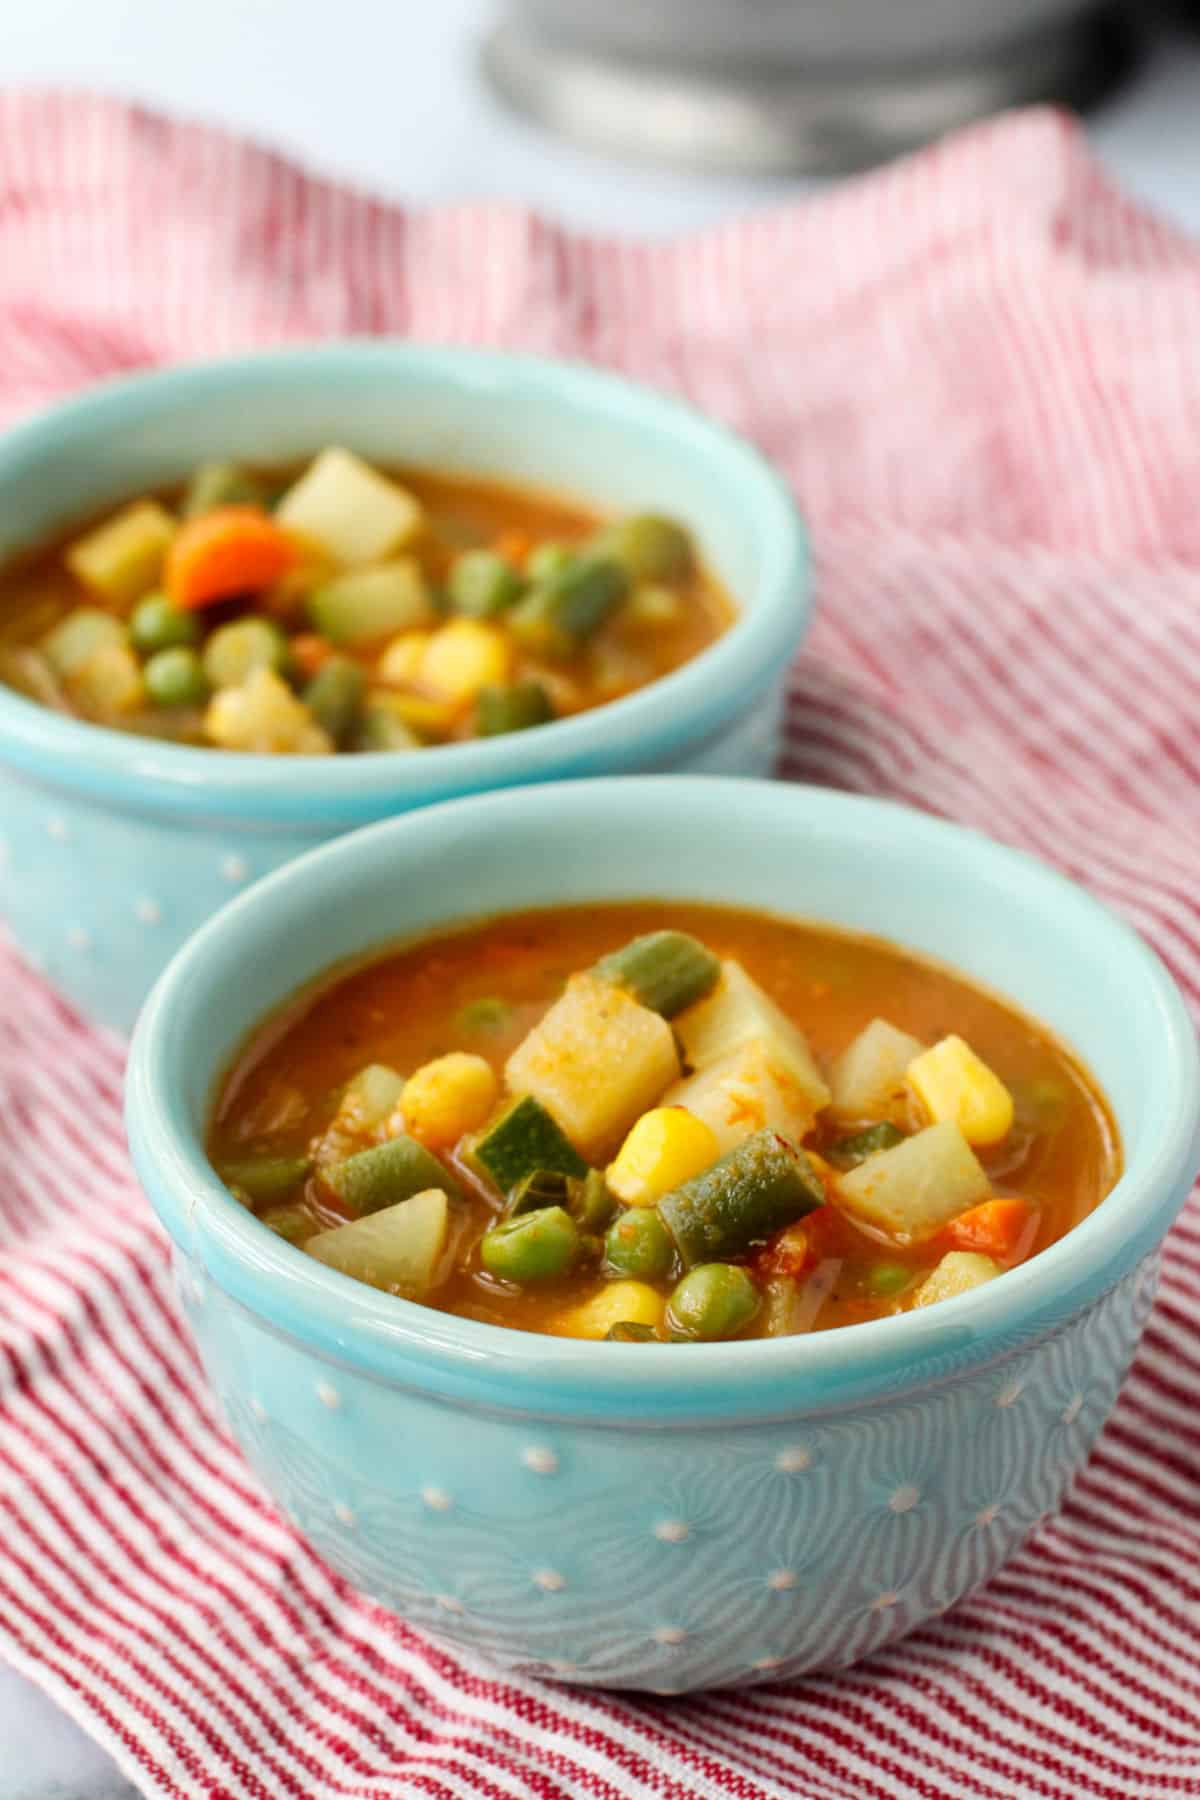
{"x":402,"y":659}
{"x":448,"y":1097}
{"x":951,"y":1082}
{"x":666,"y":1146}
{"x":464,"y":656}
{"x":616,"y":1303}
{"x":427,"y":717}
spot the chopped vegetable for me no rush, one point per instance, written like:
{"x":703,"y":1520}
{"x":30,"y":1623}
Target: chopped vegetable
{"x":713,"y":1300}
{"x":350,"y":509}
{"x":543,"y":1187}
{"x":665,"y":970}
{"x":483,"y":584}
{"x":590,"y":1201}
{"x":372,"y":1179}
{"x":628,"y":1331}
{"x":234,"y":651}
{"x":885,"y":1279}
{"x":637,"y":1243}
{"x":448,"y":1097}
{"x":848,"y":1152}
{"x":957,"y":1273}
{"x":156,"y":624}
{"x":761,"y":1186}
{"x":234,"y":550}
{"x":565,"y":607}
{"x":175,"y":678}
{"x":265,"y":1177}
{"x":520,"y":1140}
{"x":750,"y":1090}
{"x":401,"y":662}
{"x":122,"y":559}
{"x":616,"y":1304}
{"x":738,"y":1012}
{"x":514,"y":708}
{"x":868,"y":1077}
{"x":951,"y":1082}
{"x":109,"y":684}
{"x":648,"y":547}
{"x":369,"y":604}
{"x":911,"y":1191}
{"x":334,"y":697}
{"x":533,"y":1246}
{"x":400,"y":1248}
{"x":651,"y":609}
{"x":464,"y":656}
{"x":666,"y":1147}
{"x":383,"y":728}
{"x":370,"y":1098}
{"x":221,"y":484}
{"x":1001,"y":1229}
{"x":596,"y":1061}
{"x":264,"y":714}
{"x":295,"y":1224}
{"x":78,"y":637}
{"x":489,"y":1014}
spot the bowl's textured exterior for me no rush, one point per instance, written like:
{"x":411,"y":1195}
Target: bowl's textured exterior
{"x":114,"y":848}
{"x":670,"y":1517}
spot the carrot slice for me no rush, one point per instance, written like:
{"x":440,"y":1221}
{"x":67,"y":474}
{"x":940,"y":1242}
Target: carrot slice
{"x":1003,"y":1229}
{"x":310,"y":651}
{"x":231,"y":550}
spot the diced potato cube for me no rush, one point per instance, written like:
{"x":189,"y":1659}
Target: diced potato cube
{"x":76,"y":639}
{"x":350,"y":509}
{"x":752,"y":1088}
{"x":910,"y":1192}
{"x":263,"y":714}
{"x":400,"y":1248}
{"x":446,"y":1098}
{"x":401,"y":660}
{"x":666,"y":1147}
{"x":737,"y":1012}
{"x":463,"y":657}
{"x":616,"y":1303}
{"x":867,"y":1079}
{"x":951,"y":1082}
{"x":957,"y":1273}
{"x":596,"y":1061}
{"x":109,"y":685}
{"x":122,"y":559}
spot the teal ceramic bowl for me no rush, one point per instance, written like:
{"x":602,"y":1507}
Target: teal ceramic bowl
{"x":664,"y":1516}
{"x":114,"y":848}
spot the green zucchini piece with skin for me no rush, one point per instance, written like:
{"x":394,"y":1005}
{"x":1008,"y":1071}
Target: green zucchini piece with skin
{"x":664,"y":970}
{"x":759,"y":1187}
{"x":262,"y":1178}
{"x":400,"y":1248}
{"x":590,"y":1202}
{"x":517,"y":708}
{"x":522,"y":1140}
{"x":386,"y":1174}
{"x":564,"y":609}
{"x":848,"y":1152}
{"x":365,"y":605}
{"x":541,"y":1187}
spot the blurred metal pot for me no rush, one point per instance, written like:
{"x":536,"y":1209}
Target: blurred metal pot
{"x":761,"y":85}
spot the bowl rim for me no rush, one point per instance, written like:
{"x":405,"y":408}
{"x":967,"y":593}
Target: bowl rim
{"x":403,"y":1342}
{"x":678,"y":709}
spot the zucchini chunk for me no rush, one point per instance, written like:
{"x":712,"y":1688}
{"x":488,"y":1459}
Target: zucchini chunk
{"x":524,"y":1140}
{"x":753,"y":1192}
{"x":848,"y":1152}
{"x":664,"y":970}
{"x":914,"y":1189}
{"x":377,"y":1178}
{"x":367,"y":604}
{"x":399,"y":1249}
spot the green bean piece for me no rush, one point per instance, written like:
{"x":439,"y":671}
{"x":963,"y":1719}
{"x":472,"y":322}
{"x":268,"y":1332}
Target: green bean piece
{"x":292,"y":1223}
{"x":713,"y":1300}
{"x":885,"y":1279}
{"x":220,"y":484}
{"x":540,"y":1188}
{"x":562,"y":610}
{"x":638,"y":1244}
{"x":651,"y":548}
{"x":372,"y":1179}
{"x":630,"y":1331}
{"x":848,"y":1152}
{"x":548,"y":560}
{"x":590,"y":1202}
{"x":156,"y":623}
{"x":516,"y":708}
{"x":535,"y":1246}
{"x":239,"y":648}
{"x":175,"y":678}
{"x":757,"y":1188}
{"x":262,"y":1178}
{"x":521,"y":1139}
{"x":482,"y":584}
{"x":664,"y":970}
{"x":334,"y":697}
{"x":488,"y":1014}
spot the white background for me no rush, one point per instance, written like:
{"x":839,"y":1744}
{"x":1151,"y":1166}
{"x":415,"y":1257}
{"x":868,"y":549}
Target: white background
{"x":383,"y":92}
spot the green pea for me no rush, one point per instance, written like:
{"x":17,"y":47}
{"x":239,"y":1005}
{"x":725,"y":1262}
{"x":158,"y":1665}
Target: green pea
{"x":157,"y":624}
{"x":650,"y":548}
{"x":548,"y":560}
{"x":488,"y":1014}
{"x":535,"y":1246}
{"x":482,"y":584}
{"x":238,"y":649}
{"x":638,"y":1244}
{"x":714,"y":1300}
{"x":175,"y":678}
{"x":883,"y":1279}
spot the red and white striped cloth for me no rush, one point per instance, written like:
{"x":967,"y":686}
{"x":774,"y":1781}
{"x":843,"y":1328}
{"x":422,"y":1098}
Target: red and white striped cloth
{"x":981,"y":369}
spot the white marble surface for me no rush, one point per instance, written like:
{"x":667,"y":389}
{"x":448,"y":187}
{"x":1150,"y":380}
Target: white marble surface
{"x":399,"y":110}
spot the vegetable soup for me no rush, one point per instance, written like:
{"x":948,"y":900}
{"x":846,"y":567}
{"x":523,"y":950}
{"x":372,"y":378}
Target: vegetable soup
{"x":662,"y":1122}
{"x":337,"y":606}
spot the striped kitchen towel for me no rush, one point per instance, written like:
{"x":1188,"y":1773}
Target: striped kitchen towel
{"x":981,"y":371}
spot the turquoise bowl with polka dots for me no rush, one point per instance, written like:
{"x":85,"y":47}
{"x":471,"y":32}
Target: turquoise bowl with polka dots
{"x":669,"y":1516}
{"x":114,"y":848}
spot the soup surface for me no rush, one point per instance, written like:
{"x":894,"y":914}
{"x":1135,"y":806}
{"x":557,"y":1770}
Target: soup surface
{"x":336,"y":606}
{"x":662,"y":1121}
